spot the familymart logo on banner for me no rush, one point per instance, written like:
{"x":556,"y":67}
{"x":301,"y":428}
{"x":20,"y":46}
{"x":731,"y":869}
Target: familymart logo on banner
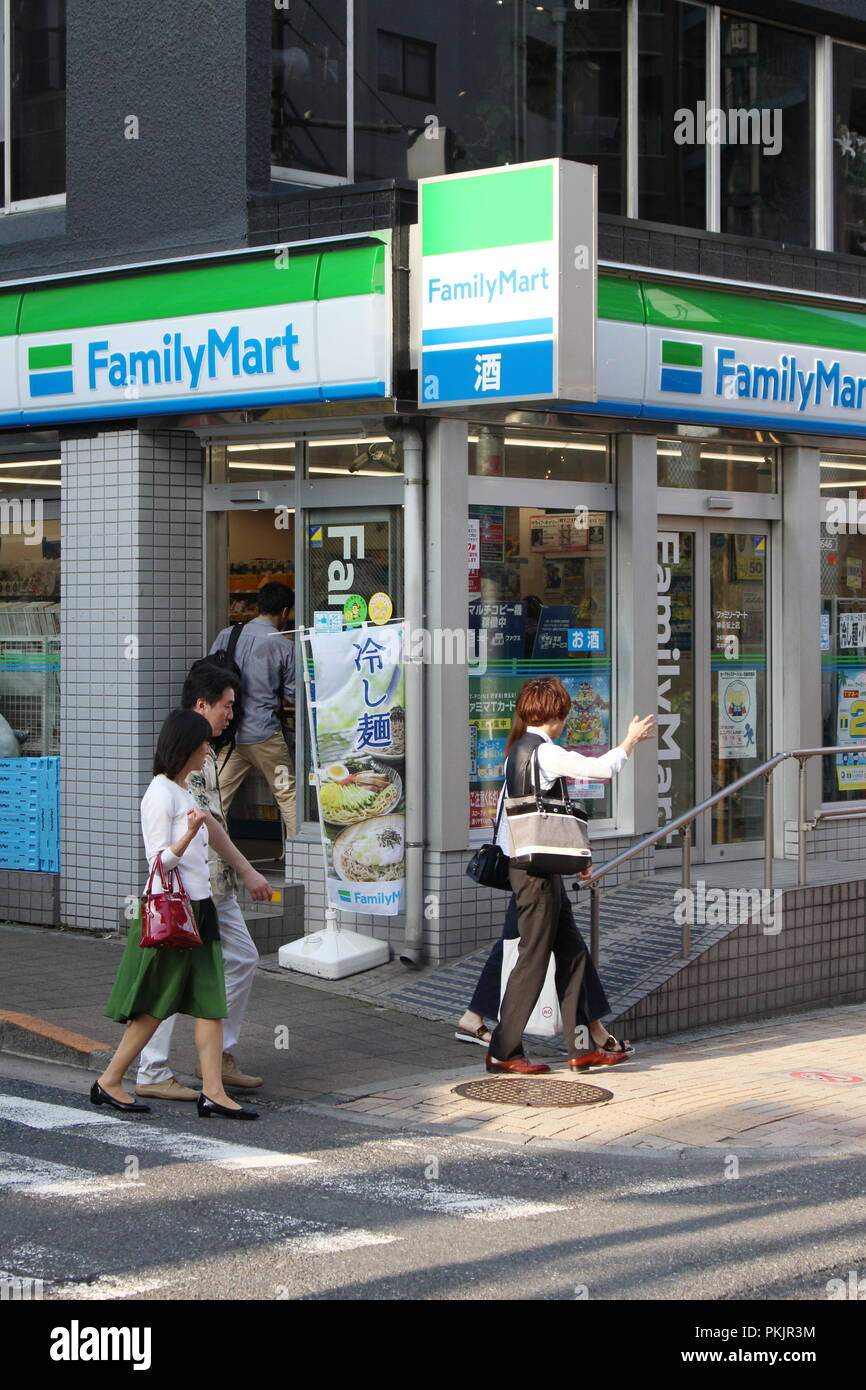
{"x":253,"y":331}
{"x":354,"y":683}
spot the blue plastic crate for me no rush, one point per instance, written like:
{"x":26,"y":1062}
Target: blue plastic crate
{"x":30,"y":814}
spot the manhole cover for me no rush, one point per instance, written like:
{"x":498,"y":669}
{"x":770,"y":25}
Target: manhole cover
{"x":534,"y":1091}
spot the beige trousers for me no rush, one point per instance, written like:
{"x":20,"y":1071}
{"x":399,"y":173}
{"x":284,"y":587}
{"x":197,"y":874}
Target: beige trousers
{"x":274,"y":761}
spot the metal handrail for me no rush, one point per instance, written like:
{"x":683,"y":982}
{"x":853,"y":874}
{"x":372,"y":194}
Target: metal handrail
{"x":684,"y":823}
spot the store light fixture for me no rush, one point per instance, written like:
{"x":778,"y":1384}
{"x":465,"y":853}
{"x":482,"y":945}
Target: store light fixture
{"x":341,"y":443}
{"x":32,"y":482}
{"x":270,"y":467}
{"x":344,"y":472}
{"x":260,"y":448}
{"x":547,"y":444}
{"x":845,"y":467}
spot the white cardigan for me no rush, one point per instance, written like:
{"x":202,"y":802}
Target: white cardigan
{"x":164,"y":808}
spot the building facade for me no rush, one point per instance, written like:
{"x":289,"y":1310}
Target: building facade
{"x":211,"y":349}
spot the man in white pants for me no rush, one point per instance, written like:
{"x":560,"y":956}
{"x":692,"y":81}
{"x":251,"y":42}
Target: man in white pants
{"x":210,"y":690}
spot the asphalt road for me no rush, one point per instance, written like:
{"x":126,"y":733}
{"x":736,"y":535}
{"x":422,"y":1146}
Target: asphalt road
{"x":307,"y":1205}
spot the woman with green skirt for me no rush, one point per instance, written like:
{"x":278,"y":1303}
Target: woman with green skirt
{"x":154,"y":983}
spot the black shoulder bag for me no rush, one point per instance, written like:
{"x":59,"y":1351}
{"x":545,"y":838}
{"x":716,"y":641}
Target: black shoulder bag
{"x":488,"y":866}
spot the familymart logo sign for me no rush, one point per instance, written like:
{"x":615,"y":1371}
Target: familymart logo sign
{"x":50,"y":369}
{"x":799,"y":381}
{"x":682,"y":367}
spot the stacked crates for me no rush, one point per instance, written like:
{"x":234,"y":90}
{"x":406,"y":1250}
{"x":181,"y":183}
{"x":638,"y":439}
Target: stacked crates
{"x":30,"y":814}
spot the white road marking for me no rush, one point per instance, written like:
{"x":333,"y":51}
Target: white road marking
{"x":37,"y":1177}
{"x":338,"y":1242}
{"x":446,"y":1201}
{"x":135,"y":1136}
{"x":38,"y":1114}
{"x":105,"y":1288}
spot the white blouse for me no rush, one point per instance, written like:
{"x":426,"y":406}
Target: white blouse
{"x":164,"y":808}
{"x":554,"y":761}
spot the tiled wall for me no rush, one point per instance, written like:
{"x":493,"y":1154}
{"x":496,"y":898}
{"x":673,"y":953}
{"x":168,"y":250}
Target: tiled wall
{"x":132,"y":624}
{"x":29,"y":897}
{"x":818,"y":957}
{"x":459,"y":917}
{"x":843,"y":839}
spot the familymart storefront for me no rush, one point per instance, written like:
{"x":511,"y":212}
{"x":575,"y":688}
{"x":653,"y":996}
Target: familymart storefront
{"x":193,"y":430}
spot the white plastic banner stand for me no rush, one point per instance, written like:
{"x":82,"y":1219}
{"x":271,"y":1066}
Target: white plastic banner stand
{"x":333,"y":953}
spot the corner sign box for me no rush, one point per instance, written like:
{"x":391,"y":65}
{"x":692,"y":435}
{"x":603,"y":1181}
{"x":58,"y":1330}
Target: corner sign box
{"x":508,"y":285}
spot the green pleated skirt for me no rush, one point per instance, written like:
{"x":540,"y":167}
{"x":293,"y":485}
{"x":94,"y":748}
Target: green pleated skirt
{"x":161,"y":983}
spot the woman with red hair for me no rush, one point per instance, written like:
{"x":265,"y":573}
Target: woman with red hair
{"x":545,"y":922}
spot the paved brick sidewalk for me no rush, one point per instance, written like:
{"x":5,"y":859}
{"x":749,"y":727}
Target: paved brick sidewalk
{"x":729,"y":1089}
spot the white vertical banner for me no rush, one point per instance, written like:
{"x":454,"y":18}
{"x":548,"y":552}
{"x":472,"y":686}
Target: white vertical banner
{"x":356,"y":705}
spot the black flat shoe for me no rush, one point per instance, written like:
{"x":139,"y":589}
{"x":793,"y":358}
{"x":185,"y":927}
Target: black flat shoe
{"x":100,"y":1097}
{"x":208,"y":1108}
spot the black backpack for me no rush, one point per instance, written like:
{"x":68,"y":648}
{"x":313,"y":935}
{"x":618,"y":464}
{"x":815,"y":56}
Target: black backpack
{"x":226,"y":660}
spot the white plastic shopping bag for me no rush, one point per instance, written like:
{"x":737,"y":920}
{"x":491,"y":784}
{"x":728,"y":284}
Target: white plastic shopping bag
{"x":545,"y":1021}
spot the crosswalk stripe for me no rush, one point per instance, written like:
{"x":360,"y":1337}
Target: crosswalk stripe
{"x":136,"y":1137}
{"x":37,"y":1177}
{"x":445,"y":1201}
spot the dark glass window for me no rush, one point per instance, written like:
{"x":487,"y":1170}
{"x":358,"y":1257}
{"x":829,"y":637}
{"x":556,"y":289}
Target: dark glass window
{"x":407,"y":67}
{"x":672,"y":78}
{"x":513,"y":81}
{"x":765,"y":132}
{"x":849,"y":148}
{"x":309,"y":87}
{"x":35,"y":59}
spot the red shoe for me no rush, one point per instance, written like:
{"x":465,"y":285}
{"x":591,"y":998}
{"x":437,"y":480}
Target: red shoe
{"x":521,"y":1065}
{"x":599,"y":1058}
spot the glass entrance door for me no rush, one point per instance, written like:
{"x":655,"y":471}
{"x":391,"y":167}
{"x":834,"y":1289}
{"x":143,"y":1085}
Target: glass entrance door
{"x":713,"y":680}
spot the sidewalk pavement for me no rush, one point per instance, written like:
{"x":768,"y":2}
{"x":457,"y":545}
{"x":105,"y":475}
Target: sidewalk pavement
{"x":794,"y":1083}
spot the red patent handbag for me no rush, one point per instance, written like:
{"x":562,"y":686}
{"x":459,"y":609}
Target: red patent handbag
{"x":167,"y":918}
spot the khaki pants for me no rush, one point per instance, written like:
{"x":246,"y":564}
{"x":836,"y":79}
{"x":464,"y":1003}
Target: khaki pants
{"x":274,"y":761}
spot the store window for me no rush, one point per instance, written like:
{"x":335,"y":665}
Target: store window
{"x":849,"y":148}
{"x":767,"y":155}
{"x":497,"y":452}
{"x":539,"y":604}
{"x":672,"y":77}
{"x":30,"y":600}
{"x":33,"y":99}
{"x":843,"y":623}
{"x":717,"y":466}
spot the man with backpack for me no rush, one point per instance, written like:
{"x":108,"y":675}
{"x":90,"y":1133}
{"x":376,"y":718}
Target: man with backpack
{"x":265,"y":659}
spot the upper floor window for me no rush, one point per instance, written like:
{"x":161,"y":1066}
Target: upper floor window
{"x":693,"y":116}
{"x":849,"y":148}
{"x":767,"y":162}
{"x":407,"y":67}
{"x":32,"y":101}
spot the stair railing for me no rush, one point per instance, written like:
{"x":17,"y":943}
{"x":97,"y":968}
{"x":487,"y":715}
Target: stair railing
{"x":684,"y":824}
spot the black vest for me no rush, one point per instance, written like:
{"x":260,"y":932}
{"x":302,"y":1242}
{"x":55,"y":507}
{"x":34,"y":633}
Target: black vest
{"x":518,"y":773}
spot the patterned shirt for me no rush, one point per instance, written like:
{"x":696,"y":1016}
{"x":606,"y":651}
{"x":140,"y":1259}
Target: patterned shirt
{"x":204,"y":788}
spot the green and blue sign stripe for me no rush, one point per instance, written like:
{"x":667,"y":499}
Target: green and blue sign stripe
{"x":50,"y":369}
{"x":682,"y":367}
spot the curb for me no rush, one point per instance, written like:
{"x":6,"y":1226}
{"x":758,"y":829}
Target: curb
{"x":24,"y":1035}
